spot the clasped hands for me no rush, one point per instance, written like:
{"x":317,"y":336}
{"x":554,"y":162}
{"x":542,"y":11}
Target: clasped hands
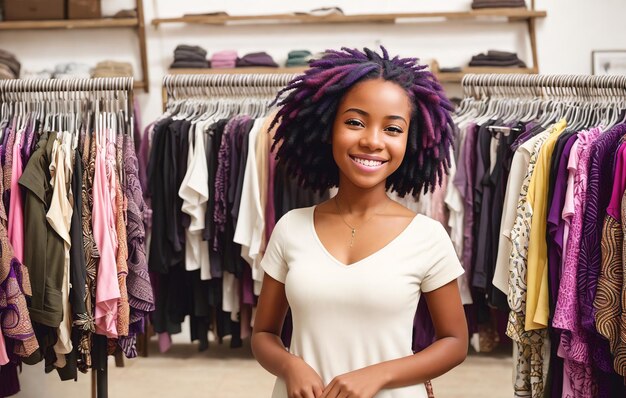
{"x":303,"y":382}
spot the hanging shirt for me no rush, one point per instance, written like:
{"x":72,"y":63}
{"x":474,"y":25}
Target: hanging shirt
{"x":573,"y":349}
{"x":465,"y":180}
{"x":123,"y":309}
{"x":43,"y":247}
{"x":16,"y":209}
{"x":15,"y":321}
{"x":140,"y":294}
{"x":519,"y":167}
{"x":59,"y":216}
{"x":454,"y":202}
{"x":251,"y":221}
{"x":340,"y":323}
{"x":194,"y":191}
{"x":611,"y":279}
{"x":599,"y":185}
{"x":537,"y":268}
{"x":108,"y":291}
{"x":531,"y":350}
{"x":4,"y":359}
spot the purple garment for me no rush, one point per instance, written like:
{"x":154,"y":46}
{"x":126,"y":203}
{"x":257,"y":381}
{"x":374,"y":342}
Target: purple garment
{"x":554,"y":237}
{"x":247,"y":286}
{"x":140,"y":294}
{"x":9,"y":383}
{"x":221,"y":182}
{"x":525,"y":136}
{"x":256,"y":59}
{"x":556,"y":225}
{"x":619,"y":185}
{"x":7,"y":167}
{"x":464,"y":181}
{"x":27,"y":142}
{"x":598,"y":195}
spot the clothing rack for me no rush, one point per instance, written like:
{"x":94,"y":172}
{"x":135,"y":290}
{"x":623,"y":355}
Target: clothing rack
{"x":202,"y":86}
{"x":479,"y":85}
{"x":66,"y":89}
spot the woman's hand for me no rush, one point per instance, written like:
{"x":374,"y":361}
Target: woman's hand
{"x":362,"y":383}
{"x":302,"y":381}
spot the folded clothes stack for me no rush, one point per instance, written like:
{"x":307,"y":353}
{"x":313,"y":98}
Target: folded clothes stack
{"x":113,"y":69}
{"x":256,"y":59}
{"x":478,"y":4}
{"x":224,"y":59}
{"x":298,"y":58}
{"x":9,"y":65}
{"x":497,"y":59}
{"x":186,"y":56}
{"x":72,"y":70}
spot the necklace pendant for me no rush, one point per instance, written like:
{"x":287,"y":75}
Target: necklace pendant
{"x":352,"y":238}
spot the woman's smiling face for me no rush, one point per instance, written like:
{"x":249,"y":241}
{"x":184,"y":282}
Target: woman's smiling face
{"x":370,"y":132}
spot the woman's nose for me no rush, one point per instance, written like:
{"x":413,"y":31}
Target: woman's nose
{"x":372,"y":139}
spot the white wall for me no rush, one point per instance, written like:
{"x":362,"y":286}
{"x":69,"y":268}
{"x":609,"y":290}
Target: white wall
{"x":566,"y":37}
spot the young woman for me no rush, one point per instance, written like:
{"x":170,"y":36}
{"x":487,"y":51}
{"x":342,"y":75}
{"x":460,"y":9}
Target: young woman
{"x":352,"y":269}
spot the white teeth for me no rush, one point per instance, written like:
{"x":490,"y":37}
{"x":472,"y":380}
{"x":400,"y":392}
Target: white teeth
{"x":367,"y":162}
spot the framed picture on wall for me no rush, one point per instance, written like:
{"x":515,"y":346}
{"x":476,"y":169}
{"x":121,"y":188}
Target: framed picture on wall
{"x":608,"y":62}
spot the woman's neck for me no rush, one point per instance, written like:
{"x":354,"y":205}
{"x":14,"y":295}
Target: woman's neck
{"x":360,"y":201}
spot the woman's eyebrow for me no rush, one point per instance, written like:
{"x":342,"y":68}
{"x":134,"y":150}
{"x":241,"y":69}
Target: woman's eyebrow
{"x":357,"y":110}
{"x":396,"y":117}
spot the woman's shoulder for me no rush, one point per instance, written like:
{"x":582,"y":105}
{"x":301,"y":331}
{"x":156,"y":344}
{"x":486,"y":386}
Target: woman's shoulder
{"x":295,"y":218}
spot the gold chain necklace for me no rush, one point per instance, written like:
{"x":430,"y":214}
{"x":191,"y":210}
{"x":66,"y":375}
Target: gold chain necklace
{"x":353,"y":229}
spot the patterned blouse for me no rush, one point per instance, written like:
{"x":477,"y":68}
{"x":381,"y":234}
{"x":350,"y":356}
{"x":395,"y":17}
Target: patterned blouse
{"x":529,"y":352}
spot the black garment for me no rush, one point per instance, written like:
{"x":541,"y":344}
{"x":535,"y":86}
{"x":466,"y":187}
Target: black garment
{"x":554,"y":381}
{"x":482,"y":207}
{"x":182,"y":143}
{"x":78,"y":269}
{"x":497,"y":58}
{"x":213,"y":142}
{"x":233,"y":262}
{"x":499,"y":178}
{"x":160,"y":249}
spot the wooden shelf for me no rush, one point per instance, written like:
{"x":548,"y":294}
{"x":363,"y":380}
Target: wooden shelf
{"x":510,"y":14}
{"x":71,"y":24}
{"x":137,"y":24}
{"x":139,"y":85}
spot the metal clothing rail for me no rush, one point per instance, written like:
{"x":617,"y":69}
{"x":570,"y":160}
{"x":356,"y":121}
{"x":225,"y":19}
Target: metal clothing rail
{"x":61,"y":85}
{"x":475,"y":85}
{"x":221,"y":85}
{"x":16,"y":90}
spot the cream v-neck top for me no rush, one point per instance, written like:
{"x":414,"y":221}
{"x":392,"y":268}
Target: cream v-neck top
{"x":346,"y":317}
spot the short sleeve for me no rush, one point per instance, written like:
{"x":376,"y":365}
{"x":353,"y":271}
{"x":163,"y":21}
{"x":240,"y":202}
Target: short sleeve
{"x":273,"y":262}
{"x":445,"y":265}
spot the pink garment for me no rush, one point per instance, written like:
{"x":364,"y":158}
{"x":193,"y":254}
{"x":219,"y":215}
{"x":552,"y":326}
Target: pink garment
{"x":4,"y":359}
{"x":165,"y":342}
{"x":16,"y":209}
{"x":224,"y":55}
{"x":573,"y":348}
{"x":107,"y":291}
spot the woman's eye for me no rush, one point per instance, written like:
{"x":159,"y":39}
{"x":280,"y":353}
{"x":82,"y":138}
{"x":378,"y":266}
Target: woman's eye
{"x":354,"y":122}
{"x":394,"y":130}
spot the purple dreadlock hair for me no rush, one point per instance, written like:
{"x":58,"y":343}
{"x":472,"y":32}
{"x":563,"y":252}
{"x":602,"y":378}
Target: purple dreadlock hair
{"x":306,"y":115}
